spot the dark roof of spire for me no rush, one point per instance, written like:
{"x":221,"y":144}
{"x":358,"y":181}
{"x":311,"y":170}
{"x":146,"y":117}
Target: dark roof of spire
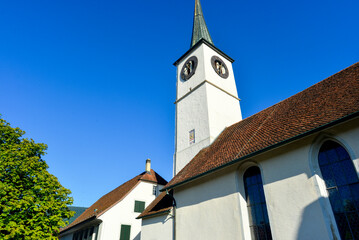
{"x":200,"y":29}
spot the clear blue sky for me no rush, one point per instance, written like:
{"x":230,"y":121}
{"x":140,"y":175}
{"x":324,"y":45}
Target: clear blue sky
{"x":94,"y":79}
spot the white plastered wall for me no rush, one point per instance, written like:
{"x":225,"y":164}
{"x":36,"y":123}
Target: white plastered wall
{"x":123,"y":213}
{"x":192,"y":113}
{"x":214,"y":207}
{"x":208,"y":210}
{"x":157,"y":228}
{"x":292,"y":201}
{"x":223,"y":111}
{"x":205,"y":71}
{"x":206,"y":103}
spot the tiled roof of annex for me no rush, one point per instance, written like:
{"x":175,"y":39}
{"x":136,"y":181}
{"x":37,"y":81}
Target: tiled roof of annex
{"x":333,"y":99}
{"x":162,"y":204}
{"x":113,"y":197}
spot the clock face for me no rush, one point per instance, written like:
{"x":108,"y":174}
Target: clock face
{"x":219,"y":67}
{"x":189,"y":68}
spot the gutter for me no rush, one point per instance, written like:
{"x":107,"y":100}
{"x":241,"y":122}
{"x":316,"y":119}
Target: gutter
{"x":276,"y":145}
{"x":79,"y":223}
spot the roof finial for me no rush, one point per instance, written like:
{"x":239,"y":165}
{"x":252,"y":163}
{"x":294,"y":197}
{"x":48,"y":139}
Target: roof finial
{"x":200,"y":29}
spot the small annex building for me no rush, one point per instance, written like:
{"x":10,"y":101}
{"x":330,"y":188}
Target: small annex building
{"x":113,"y":216}
{"x":288,"y":172}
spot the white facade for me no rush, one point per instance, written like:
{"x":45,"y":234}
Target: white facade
{"x":206,"y":103}
{"x":214,"y":206}
{"x":157,"y":228}
{"x":121,"y":213}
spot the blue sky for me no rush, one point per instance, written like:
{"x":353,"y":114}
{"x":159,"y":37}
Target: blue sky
{"x":94,"y":79}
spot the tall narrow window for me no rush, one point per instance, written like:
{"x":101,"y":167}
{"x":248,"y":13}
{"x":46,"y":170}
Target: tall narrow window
{"x":256,"y":204}
{"x":125,"y":232}
{"x":342,"y":184}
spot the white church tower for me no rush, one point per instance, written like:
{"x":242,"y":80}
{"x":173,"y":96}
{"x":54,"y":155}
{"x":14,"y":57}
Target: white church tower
{"x":207,"y":99}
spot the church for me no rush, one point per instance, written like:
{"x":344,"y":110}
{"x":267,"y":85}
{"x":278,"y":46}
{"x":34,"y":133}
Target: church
{"x":287,"y":172}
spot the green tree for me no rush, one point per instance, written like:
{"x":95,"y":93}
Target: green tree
{"x":33,"y":203}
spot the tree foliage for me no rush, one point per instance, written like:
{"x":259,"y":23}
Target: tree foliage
{"x":33,"y":203}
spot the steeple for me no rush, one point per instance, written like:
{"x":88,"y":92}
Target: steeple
{"x":207,"y":101}
{"x":200,"y":29}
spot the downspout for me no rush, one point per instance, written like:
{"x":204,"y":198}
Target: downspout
{"x":174,"y":205}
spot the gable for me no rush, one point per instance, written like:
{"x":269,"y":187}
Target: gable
{"x":110,"y":199}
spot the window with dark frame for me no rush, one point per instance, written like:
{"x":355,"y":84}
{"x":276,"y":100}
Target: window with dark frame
{"x":256,"y":205}
{"x":125,"y":232}
{"x":192,"y":137}
{"x":139,"y":206}
{"x":154,"y":190}
{"x":342,"y":183}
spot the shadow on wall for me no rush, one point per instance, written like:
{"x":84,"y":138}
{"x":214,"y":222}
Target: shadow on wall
{"x":310,"y":222}
{"x":162,"y":218}
{"x":138,"y":237}
{"x":209,"y":188}
{"x":167,"y":218}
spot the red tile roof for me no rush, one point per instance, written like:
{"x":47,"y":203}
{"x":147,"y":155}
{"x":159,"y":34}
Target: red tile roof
{"x":320,"y":105}
{"x":153,"y":177}
{"x":162,"y":204}
{"x":113,"y":197}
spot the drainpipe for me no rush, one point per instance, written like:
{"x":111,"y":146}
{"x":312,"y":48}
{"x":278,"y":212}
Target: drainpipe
{"x":174,"y":205}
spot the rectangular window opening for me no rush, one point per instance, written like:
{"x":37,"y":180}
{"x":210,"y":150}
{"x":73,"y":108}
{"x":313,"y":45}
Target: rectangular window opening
{"x":125,"y":232}
{"x":192,"y":137}
{"x":139,"y":206}
{"x":154,"y":191}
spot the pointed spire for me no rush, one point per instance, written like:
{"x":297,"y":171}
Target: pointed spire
{"x":200,"y":29}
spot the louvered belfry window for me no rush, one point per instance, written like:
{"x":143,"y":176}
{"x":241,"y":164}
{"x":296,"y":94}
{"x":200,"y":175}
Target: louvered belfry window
{"x":342,"y":183}
{"x":256,"y":205}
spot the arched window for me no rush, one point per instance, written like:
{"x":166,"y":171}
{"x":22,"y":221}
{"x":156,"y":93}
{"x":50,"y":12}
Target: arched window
{"x":256,"y":204}
{"x":342,"y":183}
